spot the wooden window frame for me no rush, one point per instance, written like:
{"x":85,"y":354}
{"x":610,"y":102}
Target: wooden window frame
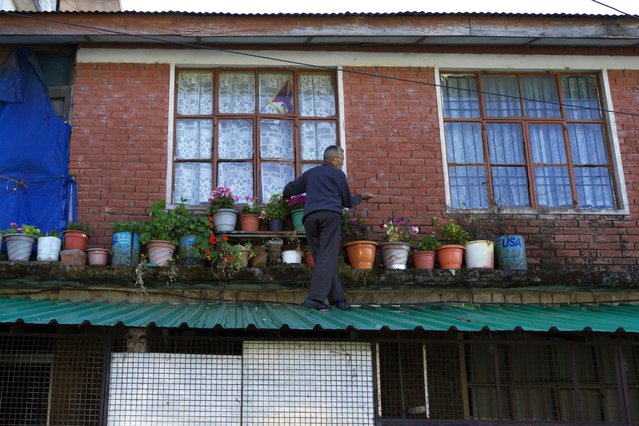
{"x":524,"y":122}
{"x":256,"y":118}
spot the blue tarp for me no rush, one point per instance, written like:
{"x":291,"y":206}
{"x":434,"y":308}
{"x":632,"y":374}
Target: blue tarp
{"x":34,"y":148}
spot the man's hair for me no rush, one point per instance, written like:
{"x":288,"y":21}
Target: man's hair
{"x":332,"y":151}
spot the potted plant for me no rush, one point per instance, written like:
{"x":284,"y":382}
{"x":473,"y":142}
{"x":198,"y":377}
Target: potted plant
{"x":359,"y":249}
{"x":20,"y":240}
{"x":510,"y":248}
{"x":98,"y":256}
{"x":294,"y":255}
{"x":397,"y":233}
{"x":222,"y":208}
{"x":260,"y":255}
{"x":77,"y":236}
{"x":296,"y":209}
{"x":250,"y":215}
{"x":49,"y":247}
{"x":275,"y":211}
{"x":451,"y":254}
{"x":125,"y":243}
{"x":480,"y":249}
{"x":424,"y":254}
{"x":159,"y":234}
{"x":192,"y":230}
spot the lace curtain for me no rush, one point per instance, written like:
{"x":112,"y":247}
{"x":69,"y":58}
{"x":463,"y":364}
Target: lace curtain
{"x":317,"y":97}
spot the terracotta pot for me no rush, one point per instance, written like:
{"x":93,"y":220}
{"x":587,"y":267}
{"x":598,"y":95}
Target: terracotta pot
{"x":424,"y":259}
{"x":98,"y":256}
{"x":75,"y":240}
{"x":361,"y":253}
{"x":259,"y":260}
{"x":450,"y":256}
{"x":160,"y":251}
{"x":249,"y":222}
{"x":310,"y":260}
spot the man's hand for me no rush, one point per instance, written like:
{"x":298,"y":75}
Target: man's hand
{"x":367,"y":196}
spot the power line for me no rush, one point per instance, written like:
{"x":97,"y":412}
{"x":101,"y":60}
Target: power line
{"x":323,"y":67}
{"x":616,"y":10}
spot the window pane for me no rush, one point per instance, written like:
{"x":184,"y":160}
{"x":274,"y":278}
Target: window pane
{"x":307,"y":166}
{"x":237,"y":93}
{"x":468,"y":187}
{"x":192,"y":182}
{"x":276,"y":93}
{"x":315,"y":137}
{"x":235,"y":139}
{"x":193,"y":139}
{"x":276,"y":139}
{"x":534,"y":404}
{"x":505,"y":144}
{"x":540,"y":88}
{"x":594,"y":187}
{"x":510,"y":186}
{"x":317,"y":97}
{"x":238,"y":177}
{"x":195,"y":93}
{"x":463,"y":143}
{"x":274,"y":177}
{"x":460,"y":96}
{"x":581,"y":97}
{"x":587,"y":144}
{"x":553,"y":187}
{"x":501,"y":96}
{"x":547,"y":142}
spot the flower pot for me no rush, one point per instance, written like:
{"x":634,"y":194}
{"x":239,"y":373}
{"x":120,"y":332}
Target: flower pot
{"x":125,"y":248}
{"x":450,"y":256}
{"x":187,"y":251}
{"x":249,"y":222}
{"x":243,"y":254}
{"x":296,"y":216}
{"x":480,"y":254}
{"x":259,"y":260}
{"x":424,"y":259}
{"x":276,"y":225}
{"x":395,"y":255}
{"x":98,"y":256}
{"x":510,"y":252}
{"x":291,"y":256}
{"x":19,"y":247}
{"x":224,"y":220}
{"x":49,"y":249}
{"x":75,"y":240}
{"x":308,"y":257}
{"x":361,"y":253}
{"x":160,"y":251}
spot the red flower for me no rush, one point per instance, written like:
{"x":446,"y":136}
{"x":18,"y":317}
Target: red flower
{"x":207,"y":252}
{"x":225,"y":238}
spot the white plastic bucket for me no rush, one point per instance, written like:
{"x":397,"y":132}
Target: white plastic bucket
{"x":480,"y":254}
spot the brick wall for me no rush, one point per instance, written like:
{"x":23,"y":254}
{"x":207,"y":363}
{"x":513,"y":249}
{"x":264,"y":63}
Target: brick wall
{"x":118,"y":145}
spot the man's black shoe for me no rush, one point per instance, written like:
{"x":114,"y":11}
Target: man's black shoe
{"x":342,"y":305}
{"x":314,"y":304}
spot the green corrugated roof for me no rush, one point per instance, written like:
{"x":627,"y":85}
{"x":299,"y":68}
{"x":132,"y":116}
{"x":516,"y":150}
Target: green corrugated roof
{"x":427,"y":316}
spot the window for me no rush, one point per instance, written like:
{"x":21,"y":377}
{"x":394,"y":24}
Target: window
{"x":252,"y":131}
{"x":526,"y":140}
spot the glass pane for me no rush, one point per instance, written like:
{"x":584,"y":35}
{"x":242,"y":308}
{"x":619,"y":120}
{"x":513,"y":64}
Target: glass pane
{"x":587,"y":144}
{"x":276,"y":139}
{"x":468,"y":187}
{"x":315,"y":137}
{"x":483,"y":403}
{"x":235,"y":139}
{"x":274,"y":177}
{"x":510,"y":186}
{"x":195,"y":93}
{"x":463,"y":143}
{"x":553,"y":187}
{"x":581,"y":97}
{"x":501,"y":96}
{"x":193,"y":139}
{"x":505,"y":144}
{"x":547,"y":142}
{"x":537,"y":404}
{"x":460,"y":96}
{"x":317,"y":97}
{"x":192,"y":182}
{"x":540,"y":88}
{"x":238,"y":177}
{"x":594,"y":187}
{"x":308,"y":166}
{"x":237,"y":93}
{"x":276,"y":93}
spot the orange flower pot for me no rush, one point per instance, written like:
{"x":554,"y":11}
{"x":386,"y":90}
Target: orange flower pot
{"x":249,"y":222}
{"x":450,"y":256}
{"x":361,"y":253}
{"x":75,"y":240}
{"x":310,"y":260}
{"x":424,"y":259}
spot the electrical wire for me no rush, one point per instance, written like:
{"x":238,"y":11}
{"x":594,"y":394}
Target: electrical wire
{"x":615,"y":9}
{"x":316,"y":66}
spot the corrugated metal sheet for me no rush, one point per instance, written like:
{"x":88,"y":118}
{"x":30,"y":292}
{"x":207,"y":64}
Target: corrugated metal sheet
{"x":427,"y":316}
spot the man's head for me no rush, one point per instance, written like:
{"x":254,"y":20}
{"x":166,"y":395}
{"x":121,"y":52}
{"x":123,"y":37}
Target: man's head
{"x":334,"y":155}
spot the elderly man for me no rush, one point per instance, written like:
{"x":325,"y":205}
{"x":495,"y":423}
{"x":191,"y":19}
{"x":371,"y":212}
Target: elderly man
{"x":327,"y":193}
